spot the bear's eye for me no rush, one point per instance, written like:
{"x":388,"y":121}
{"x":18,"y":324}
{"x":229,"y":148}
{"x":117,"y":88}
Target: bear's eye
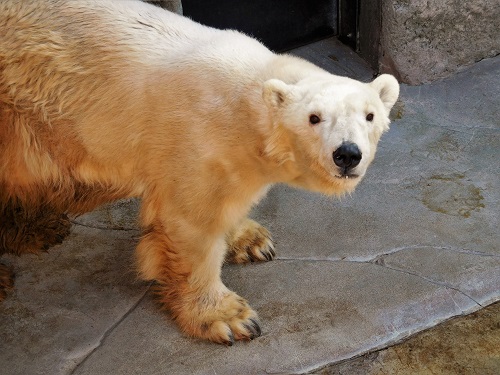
{"x":314,"y":119}
{"x":369,"y":117}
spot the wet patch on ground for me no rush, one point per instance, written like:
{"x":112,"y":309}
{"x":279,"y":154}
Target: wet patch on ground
{"x":452,"y":195}
{"x":446,"y":147}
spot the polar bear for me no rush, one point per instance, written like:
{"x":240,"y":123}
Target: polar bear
{"x":101,"y":100}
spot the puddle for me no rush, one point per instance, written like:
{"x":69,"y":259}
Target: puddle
{"x":452,"y":195}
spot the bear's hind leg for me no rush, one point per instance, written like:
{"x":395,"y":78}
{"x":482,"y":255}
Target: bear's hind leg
{"x":249,"y":242}
{"x":6,"y":281}
{"x":187,"y":268}
{"x":29,"y":229}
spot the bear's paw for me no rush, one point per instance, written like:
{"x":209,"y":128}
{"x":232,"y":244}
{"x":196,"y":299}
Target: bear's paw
{"x":223,"y":321}
{"x":250,"y":242}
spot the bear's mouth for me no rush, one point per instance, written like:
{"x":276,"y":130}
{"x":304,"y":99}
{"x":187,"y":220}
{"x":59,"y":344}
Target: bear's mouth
{"x":346,"y":176}
{"x":346,"y":173}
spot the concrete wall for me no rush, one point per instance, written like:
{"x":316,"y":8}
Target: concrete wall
{"x":424,"y":40}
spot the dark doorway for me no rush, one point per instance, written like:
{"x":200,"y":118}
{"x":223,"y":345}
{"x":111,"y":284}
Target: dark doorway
{"x":359,"y":23}
{"x":285,"y":24}
{"x":279,"y":24}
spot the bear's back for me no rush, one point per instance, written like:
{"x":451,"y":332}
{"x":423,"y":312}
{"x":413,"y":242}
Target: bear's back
{"x":101,"y":46}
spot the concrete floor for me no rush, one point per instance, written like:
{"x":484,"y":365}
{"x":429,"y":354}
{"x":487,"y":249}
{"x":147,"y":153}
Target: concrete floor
{"x":416,"y":244}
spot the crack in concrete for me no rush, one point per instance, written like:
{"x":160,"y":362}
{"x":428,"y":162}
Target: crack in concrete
{"x":378,"y":260}
{"x":446,"y":248}
{"x":428,"y":279}
{"x":119,"y":228}
{"x":109,"y":331}
{"x":370,"y":259}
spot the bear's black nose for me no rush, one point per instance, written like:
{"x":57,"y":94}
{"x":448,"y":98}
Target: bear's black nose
{"x":347,"y":156}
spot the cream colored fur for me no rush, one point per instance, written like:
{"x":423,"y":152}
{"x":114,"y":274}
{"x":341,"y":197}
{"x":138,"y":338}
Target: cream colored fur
{"x":123,"y":98}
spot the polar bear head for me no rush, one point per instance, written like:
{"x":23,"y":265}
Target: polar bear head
{"x":330,"y":127}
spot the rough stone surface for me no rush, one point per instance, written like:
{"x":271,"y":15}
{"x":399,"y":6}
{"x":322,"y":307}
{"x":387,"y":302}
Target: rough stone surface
{"x":66,"y":300}
{"x":309,"y":311}
{"x":416,"y":244}
{"x":425,"y":40}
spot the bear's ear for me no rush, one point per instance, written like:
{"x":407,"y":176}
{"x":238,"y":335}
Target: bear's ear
{"x":387,"y":88}
{"x":276,"y":93}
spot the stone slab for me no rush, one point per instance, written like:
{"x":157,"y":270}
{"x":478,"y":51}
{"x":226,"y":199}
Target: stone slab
{"x":313,"y":313}
{"x":66,"y":300}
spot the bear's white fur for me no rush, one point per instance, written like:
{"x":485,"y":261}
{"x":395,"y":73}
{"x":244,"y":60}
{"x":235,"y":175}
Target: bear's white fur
{"x":109,"y":99}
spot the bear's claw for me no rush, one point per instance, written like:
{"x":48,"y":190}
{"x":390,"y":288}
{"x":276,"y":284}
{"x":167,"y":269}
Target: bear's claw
{"x":254,"y":328}
{"x":229,"y":342}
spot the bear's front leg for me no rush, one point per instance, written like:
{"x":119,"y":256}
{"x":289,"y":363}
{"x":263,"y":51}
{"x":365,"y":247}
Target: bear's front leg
{"x":249,"y":242}
{"x":187,"y":269}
